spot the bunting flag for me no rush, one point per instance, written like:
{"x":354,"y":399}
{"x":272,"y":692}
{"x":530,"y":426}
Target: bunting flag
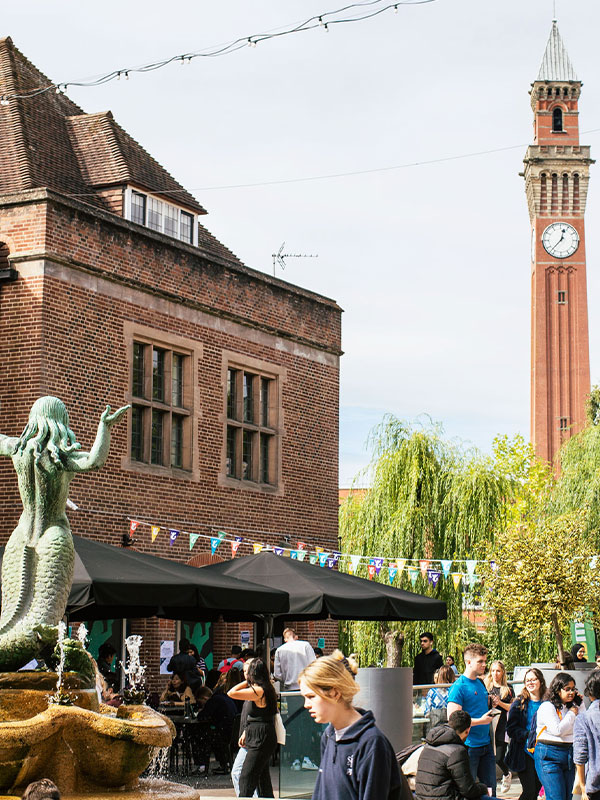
{"x":413,"y":574}
{"x":173,"y":534}
{"x":354,"y":562}
{"x":473,"y":580}
{"x":378,"y":565}
{"x":133,"y":525}
{"x":323,"y":559}
{"x":257,"y":547}
{"x":371,"y":571}
{"x":235,"y":545}
{"x":318,"y":550}
{"x":301,"y":546}
{"x":214,"y":543}
{"x":446,"y":566}
{"x":471,"y":564}
{"x":393,"y":571}
{"x":494,"y":566}
{"x":193,"y":539}
{"x":331,"y":562}
{"x":400,"y":563}
{"x":593,"y":562}
{"x":278,"y":551}
{"x":456,"y":579}
{"x":312,"y":557}
{"x":221,"y":535}
{"x":154,"y":531}
{"x":294,"y":554}
{"x":424,"y":566}
{"x":336,"y":555}
{"x":302,"y":555}
{"x":433,"y":576}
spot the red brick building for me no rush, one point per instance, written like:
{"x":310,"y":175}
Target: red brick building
{"x":556,"y":183}
{"x":113,"y":292}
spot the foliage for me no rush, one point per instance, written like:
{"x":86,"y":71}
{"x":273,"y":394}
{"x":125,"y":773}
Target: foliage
{"x":60,"y":698}
{"x":546,"y":575}
{"x":76,"y":660}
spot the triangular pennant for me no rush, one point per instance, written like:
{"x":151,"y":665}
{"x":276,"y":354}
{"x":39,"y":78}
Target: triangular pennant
{"x":318,"y":550}
{"x":331,"y":562}
{"x":354,"y":562}
{"x":312,"y":557}
{"x":133,"y":525}
{"x":424,"y":566}
{"x":400,"y":563}
{"x":301,"y":546}
{"x":371,"y":570}
{"x":214,"y":543}
{"x":471,"y":564}
{"x":336,"y":555}
{"x":154,"y":531}
{"x":294,"y":554}
{"x":413,"y":573}
{"x":593,"y":562}
{"x":221,"y":535}
{"x":278,"y":551}
{"x":456,"y":579}
{"x":433,"y":576}
{"x":193,"y":539}
{"x":378,"y":565}
{"x":173,"y":534}
{"x":302,"y":555}
{"x":446,"y":566}
{"x":235,"y":545}
{"x":257,"y":547}
{"x":494,"y":566}
{"x":393,"y":571}
{"x":323,"y":559}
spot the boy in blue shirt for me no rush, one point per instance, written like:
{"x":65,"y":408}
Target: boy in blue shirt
{"x":469,"y":694}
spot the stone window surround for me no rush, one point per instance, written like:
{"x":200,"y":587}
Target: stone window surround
{"x":132,"y":331}
{"x":233,"y":360}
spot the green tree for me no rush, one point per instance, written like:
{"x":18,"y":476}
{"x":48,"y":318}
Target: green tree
{"x":546,"y":575}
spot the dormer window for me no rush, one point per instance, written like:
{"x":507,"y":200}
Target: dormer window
{"x":160,"y":216}
{"x":557,"y":120}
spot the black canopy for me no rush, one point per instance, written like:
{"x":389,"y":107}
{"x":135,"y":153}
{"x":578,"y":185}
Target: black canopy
{"x":318,"y":592}
{"x":114,"y":582}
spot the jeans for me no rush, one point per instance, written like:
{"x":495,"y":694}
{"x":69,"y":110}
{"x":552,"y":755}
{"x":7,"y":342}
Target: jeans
{"x":236,"y":771}
{"x":555,"y":769}
{"x":483,"y":765}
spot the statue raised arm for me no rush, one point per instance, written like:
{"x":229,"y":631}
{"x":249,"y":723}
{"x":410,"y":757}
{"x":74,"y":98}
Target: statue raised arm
{"x":37,"y":568}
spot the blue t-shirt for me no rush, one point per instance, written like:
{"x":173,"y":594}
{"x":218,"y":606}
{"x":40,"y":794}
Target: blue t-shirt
{"x":532,"y":707}
{"x":472,"y":696}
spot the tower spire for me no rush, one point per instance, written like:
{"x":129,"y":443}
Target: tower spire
{"x":556,"y":64}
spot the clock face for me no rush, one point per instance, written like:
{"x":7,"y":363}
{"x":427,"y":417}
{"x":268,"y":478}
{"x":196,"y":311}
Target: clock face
{"x":560,"y":240}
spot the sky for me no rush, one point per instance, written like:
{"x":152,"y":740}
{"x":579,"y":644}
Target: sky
{"x":427,"y":251}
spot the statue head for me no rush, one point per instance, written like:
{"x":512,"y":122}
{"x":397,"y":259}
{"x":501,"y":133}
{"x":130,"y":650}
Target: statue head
{"x":48,"y":428}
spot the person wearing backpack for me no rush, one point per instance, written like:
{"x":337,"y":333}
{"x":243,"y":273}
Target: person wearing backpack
{"x":553,"y":753}
{"x":521,"y":716}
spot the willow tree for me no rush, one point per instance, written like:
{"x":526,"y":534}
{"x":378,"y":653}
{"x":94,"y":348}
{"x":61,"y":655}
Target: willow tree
{"x":429,"y":499}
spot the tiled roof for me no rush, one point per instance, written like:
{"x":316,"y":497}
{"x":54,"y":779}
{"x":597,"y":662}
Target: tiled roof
{"x":48,"y":141}
{"x":556,"y":64}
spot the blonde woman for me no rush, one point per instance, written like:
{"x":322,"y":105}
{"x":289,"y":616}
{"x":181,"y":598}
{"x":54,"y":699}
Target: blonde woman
{"x":357,"y":761}
{"x":501,"y":697}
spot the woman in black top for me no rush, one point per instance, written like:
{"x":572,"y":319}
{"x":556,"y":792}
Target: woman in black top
{"x":261,"y":739}
{"x":501,"y":697}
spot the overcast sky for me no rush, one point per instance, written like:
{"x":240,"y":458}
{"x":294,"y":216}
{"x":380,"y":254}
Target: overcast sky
{"x":430,"y":263}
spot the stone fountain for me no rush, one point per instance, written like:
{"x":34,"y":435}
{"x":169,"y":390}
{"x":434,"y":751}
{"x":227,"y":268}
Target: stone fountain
{"x":62,"y":736}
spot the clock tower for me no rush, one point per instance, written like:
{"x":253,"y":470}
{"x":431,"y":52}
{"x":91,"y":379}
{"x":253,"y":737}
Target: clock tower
{"x":556,"y":183}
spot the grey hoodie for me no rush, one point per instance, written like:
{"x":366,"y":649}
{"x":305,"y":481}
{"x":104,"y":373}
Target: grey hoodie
{"x":586,"y":745}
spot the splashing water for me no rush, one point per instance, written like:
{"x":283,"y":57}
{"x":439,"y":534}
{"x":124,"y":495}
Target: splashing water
{"x":62,"y":631}
{"x":159,"y":766}
{"x":82,"y":634}
{"x":134,"y":669}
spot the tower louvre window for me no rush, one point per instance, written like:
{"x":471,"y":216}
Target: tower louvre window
{"x":557,"y":120}
{"x":543,"y":193}
{"x":562,"y":297}
{"x":575,"y":193}
{"x":565,"y":192}
{"x":554,"y":198}
{"x":564,"y":424}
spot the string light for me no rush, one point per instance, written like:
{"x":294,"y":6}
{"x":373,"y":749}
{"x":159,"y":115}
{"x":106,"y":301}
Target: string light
{"x":325,"y":20}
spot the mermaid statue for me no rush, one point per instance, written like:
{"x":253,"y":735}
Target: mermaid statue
{"x":37,"y":569}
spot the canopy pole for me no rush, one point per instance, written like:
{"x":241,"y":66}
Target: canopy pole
{"x":268,"y":620}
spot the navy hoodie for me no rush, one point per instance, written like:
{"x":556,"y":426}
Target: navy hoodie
{"x":361,"y":766}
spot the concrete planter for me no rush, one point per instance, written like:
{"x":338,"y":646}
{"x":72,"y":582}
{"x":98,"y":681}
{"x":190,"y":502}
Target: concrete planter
{"x":387,"y":692}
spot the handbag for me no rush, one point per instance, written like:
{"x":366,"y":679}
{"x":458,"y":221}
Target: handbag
{"x":279,"y":729}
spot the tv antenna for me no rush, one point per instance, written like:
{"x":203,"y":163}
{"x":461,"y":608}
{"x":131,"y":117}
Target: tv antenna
{"x":279,"y":257}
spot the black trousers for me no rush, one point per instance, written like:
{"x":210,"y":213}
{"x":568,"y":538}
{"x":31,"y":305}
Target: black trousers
{"x":530,"y":782}
{"x":500,"y":756}
{"x":261,"y":742}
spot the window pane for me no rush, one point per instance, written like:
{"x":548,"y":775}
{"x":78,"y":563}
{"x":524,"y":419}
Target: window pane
{"x":171,"y":220}
{"x":186,"y":229}
{"x":247,"y":437}
{"x":177,"y":441}
{"x":248,"y":397}
{"x":157,"y":437}
{"x":265,"y":441}
{"x":231,"y":459}
{"x":158,"y":374}
{"x":177,"y":381}
{"x":264,"y":401}
{"x":137,"y":439}
{"x":138,"y":208}
{"x":155,"y":214}
{"x":231,"y":394}
{"x":137,"y":384}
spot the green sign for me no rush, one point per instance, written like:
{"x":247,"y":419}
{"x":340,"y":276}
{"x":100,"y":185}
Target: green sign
{"x":582,"y":632}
